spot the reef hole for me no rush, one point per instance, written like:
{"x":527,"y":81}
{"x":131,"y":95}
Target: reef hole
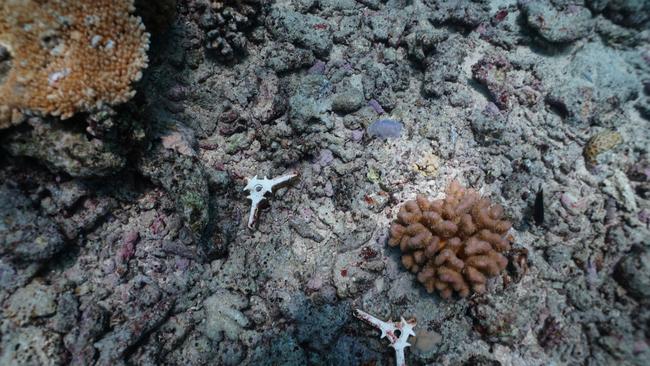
{"x":5,"y":62}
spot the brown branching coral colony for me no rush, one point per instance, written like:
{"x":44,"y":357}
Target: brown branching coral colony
{"x":68,"y":56}
{"x":453,"y":244}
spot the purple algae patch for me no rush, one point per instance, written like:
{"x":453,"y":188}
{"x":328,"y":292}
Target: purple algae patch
{"x":376,"y":106}
{"x":385,"y":129}
{"x":356,"y":135}
{"x":326,"y":157}
{"x":318,"y":68}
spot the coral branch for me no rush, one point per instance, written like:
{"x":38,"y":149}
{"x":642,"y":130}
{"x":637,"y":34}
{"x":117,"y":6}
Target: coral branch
{"x":455,"y":244}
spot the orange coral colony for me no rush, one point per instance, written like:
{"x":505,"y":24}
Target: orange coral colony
{"x":453,"y":244}
{"x":69,"y":56}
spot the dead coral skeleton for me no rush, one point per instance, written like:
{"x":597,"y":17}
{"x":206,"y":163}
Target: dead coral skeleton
{"x":397,"y":333}
{"x":259,"y":188}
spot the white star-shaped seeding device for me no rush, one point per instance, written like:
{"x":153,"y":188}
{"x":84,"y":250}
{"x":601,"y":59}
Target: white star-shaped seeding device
{"x":390,"y":330}
{"x":259,"y":189}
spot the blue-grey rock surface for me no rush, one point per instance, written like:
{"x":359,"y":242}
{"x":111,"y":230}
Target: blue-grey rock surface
{"x":123,"y":233}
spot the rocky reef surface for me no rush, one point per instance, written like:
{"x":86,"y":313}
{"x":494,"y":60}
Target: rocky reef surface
{"x":123,"y":231}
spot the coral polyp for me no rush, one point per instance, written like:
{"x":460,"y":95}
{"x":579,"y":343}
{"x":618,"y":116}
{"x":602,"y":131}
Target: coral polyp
{"x":74,"y":56}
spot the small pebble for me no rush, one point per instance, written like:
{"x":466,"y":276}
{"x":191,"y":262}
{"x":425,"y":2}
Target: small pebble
{"x":376,"y":106}
{"x":426,"y":342}
{"x":315,"y":283}
{"x":329,"y":190}
{"x":317,"y":69}
{"x":644,"y":216}
{"x":357,"y":135}
{"x":326,"y":157}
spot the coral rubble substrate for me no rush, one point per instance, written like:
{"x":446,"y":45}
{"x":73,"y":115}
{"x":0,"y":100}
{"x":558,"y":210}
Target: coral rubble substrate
{"x":123,"y":236}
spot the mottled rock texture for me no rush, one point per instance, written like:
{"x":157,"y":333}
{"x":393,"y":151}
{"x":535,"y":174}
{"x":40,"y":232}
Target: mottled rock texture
{"x":123,"y":231}
{"x":24,"y":234}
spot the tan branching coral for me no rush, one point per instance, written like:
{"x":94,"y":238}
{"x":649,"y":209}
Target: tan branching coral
{"x":453,"y":244}
{"x":68,"y":56}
